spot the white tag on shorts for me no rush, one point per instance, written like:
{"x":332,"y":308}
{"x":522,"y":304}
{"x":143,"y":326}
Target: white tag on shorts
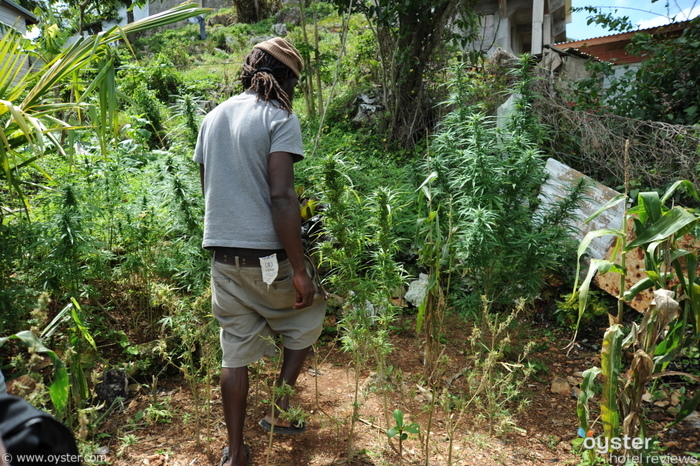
{"x":269,"y":267}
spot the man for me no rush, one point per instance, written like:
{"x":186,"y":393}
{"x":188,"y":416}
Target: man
{"x":260,"y":284}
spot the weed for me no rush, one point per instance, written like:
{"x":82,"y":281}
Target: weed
{"x":402,"y":430}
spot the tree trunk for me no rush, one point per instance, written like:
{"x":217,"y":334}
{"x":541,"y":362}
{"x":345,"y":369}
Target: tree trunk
{"x":419,"y":41}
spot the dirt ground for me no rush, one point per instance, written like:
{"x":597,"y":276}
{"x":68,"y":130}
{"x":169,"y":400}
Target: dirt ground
{"x":542,"y":433}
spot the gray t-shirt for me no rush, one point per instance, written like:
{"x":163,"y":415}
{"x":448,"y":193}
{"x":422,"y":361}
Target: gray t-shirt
{"x":234,"y":143}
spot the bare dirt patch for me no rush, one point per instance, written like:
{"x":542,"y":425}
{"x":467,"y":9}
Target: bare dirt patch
{"x":542,"y":433}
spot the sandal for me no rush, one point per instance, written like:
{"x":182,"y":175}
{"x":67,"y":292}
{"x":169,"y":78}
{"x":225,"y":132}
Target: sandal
{"x":295,"y":428}
{"x":224,"y":455}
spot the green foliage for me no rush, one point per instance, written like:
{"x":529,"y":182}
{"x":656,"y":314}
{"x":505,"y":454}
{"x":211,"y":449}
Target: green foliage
{"x":152,"y":110}
{"x":32,"y":117}
{"x":402,"y":430}
{"x":69,"y":387}
{"x":410,"y":44}
{"x":669,"y":325}
{"x":663,"y":88}
{"x":490,"y":178}
{"x":566,"y":313}
{"x":158,"y":75}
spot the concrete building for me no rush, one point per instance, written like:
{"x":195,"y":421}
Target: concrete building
{"x":522,"y":26}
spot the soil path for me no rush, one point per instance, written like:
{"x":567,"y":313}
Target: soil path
{"x":541,"y":434}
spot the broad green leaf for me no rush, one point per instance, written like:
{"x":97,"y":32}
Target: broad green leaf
{"x":398,"y":418}
{"x":668,"y":225}
{"x":587,"y":391}
{"x":611,"y":362}
{"x":60,"y":389}
{"x":79,"y":324}
{"x":597,"y":265}
{"x":412,"y":428}
{"x":611,"y":203}
{"x":650,"y":205}
{"x":643,"y":284}
{"x":687,"y":187}
{"x":591,"y":235}
{"x":429,"y":178}
{"x":583,"y":247}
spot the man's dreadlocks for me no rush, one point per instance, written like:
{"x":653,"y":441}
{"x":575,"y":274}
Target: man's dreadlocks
{"x":263,"y":73}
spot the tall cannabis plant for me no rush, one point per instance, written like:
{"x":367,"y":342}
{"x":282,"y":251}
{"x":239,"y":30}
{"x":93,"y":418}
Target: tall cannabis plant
{"x":359,"y":248}
{"x":504,"y":240}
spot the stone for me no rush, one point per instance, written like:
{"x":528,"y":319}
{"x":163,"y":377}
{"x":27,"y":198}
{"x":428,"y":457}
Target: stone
{"x":416,"y":290}
{"x":114,"y":384}
{"x":572,"y":381}
{"x":693,"y":419}
{"x":560,"y":386}
{"x":368,"y":107}
{"x":280,"y":29}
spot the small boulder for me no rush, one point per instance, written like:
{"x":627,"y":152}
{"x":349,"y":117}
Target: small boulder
{"x":560,"y":386}
{"x":416,"y":290}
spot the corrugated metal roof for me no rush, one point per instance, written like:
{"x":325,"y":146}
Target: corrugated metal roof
{"x":677,"y":25}
{"x":612,"y":48}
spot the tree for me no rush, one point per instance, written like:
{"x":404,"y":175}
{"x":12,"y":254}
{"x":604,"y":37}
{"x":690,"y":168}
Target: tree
{"x":79,"y":16}
{"x":32,"y":117}
{"x":411,"y":37}
{"x":252,"y":11}
{"x":665,"y":87}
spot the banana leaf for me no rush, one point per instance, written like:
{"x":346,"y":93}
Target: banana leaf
{"x":30,"y":122}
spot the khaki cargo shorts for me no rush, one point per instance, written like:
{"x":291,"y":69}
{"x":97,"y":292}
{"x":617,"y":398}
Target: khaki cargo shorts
{"x":251,"y":314}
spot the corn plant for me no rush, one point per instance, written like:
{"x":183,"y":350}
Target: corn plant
{"x":669,"y":325}
{"x":69,"y":389}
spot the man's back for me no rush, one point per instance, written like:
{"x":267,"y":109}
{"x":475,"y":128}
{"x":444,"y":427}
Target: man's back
{"x":234,"y":144}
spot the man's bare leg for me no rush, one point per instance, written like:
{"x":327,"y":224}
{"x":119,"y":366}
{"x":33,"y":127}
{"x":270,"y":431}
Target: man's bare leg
{"x":234,"y":394}
{"x":292,"y":365}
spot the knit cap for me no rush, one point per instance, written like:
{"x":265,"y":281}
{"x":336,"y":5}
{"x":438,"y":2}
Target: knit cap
{"x":285,"y":52}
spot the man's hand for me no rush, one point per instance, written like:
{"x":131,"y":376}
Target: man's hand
{"x":305,"y":290}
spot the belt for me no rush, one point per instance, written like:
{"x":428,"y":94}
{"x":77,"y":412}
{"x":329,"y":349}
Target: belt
{"x":245,"y":257}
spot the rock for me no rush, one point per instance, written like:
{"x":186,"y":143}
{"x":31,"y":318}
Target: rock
{"x":560,"y":386}
{"x":573,"y":381}
{"x":368,"y":106}
{"x":693,"y":419}
{"x":416,"y":290}
{"x":280,"y":29}
{"x":113,"y":385}
{"x":22,"y":386}
{"x":103,"y":450}
{"x":290,"y":16}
